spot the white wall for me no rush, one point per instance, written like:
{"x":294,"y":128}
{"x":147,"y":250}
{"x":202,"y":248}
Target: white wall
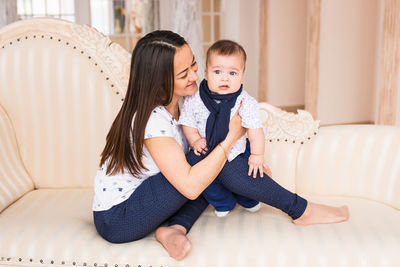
{"x":286,"y":42}
{"x":249,"y":39}
{"x":240,"y":22}
{"x":347,"y":61}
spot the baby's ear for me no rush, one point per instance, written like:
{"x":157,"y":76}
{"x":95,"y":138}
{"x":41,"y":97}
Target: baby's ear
{"x":205,"y":74}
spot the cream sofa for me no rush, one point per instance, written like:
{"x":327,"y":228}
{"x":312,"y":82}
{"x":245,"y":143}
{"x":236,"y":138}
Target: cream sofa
{"x":61,"y":85}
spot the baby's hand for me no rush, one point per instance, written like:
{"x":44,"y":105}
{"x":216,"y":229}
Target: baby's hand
{"x":199,"y":146}
{"x":256,"y":164}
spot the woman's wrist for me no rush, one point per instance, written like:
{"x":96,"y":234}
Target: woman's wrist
{"x":226,"y":146}
{"x":224,"y":150}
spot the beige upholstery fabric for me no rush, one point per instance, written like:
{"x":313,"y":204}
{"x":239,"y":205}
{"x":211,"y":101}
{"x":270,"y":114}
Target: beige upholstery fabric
{"x":61,"y":97}
{"x":265,"y":238}
{"x":281,"y":157}
{"x":14,"y":181}
{"x":352,"y":160}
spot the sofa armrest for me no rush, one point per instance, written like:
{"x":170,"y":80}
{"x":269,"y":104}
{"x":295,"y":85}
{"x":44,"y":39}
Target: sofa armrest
{"x":285,"y":132}
{"x":14,"y":180}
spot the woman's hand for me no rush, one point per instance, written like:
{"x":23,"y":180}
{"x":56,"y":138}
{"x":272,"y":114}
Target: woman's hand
{"x":235,"y":128}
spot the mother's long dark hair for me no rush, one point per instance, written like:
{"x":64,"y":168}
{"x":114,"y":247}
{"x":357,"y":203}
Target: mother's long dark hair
{"x":151,"y":84}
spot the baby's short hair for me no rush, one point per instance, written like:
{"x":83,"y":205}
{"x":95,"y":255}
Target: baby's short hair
{"x":226,"y":48}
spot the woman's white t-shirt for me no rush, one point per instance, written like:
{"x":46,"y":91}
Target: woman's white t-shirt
{"x":111,"y":190}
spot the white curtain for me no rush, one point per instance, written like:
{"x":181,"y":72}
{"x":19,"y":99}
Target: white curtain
{"x":184,"y":18}
{"x":8,"y":12}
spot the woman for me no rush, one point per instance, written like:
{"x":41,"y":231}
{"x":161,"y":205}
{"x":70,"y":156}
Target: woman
{"x":144,"y":178}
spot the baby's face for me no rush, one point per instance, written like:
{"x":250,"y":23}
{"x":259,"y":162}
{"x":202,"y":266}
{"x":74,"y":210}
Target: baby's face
{"x":224,"y":74}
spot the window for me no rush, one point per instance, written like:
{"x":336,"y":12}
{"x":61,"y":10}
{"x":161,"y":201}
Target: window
{"x":64,"y":9}
{"x":211,"y":16}
{"x":121,"y":20}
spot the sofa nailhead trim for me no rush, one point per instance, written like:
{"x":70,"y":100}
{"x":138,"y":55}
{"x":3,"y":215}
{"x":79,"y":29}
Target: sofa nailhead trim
{"x":30,"y":260}
{"x":67,"y":43}
{"x":95,"y":264}
{"x":19,"y":259}
{"x":63,"y":262}
{"x":84,"y":264}
{"x":74,"y":263}
{"x":52,"y":262}
{"x":41,"y":261}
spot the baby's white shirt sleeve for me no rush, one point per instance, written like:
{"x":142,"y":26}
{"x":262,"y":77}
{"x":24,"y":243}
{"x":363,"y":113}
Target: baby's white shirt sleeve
{"x":250,"y":113}
{"x":187,"y":112}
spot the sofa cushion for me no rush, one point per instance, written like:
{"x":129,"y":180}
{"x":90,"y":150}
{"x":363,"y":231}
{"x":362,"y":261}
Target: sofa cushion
{"x":56,"y":225}
{"x":14,"y":180}
{"x":352,"y":160}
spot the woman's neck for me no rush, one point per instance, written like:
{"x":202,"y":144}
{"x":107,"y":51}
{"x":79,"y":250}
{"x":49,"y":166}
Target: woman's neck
{"x":173,"y":108}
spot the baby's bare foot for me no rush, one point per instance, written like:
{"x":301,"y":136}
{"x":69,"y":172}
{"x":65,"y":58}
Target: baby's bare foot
{"x":320,"y":214}
{"x":174,"y":240}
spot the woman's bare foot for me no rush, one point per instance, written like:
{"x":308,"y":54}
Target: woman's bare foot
{"x":318,"y":214}
{"x":174,"y":240}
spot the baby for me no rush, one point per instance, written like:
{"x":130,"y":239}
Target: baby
{"x":205,"y":119}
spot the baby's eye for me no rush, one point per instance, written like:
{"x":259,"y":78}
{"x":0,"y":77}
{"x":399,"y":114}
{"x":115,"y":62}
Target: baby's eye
{"x":232,"y":73}
{"x":217,"y":72}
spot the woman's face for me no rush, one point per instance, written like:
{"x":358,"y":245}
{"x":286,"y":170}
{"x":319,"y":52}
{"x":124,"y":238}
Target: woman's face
{"x":185,"y":72}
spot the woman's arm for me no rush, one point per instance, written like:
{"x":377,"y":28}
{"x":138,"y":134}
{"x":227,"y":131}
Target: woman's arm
{"x":191,"y":181}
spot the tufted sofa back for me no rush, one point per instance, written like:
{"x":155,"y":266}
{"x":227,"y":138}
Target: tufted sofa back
{"x":352,"y":160}
{"x":61,"y":85}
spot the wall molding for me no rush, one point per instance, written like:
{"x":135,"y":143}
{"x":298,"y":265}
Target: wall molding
{"x":263,"y":52}
{"x":388,"y":85}
{"x":312,"y":56}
